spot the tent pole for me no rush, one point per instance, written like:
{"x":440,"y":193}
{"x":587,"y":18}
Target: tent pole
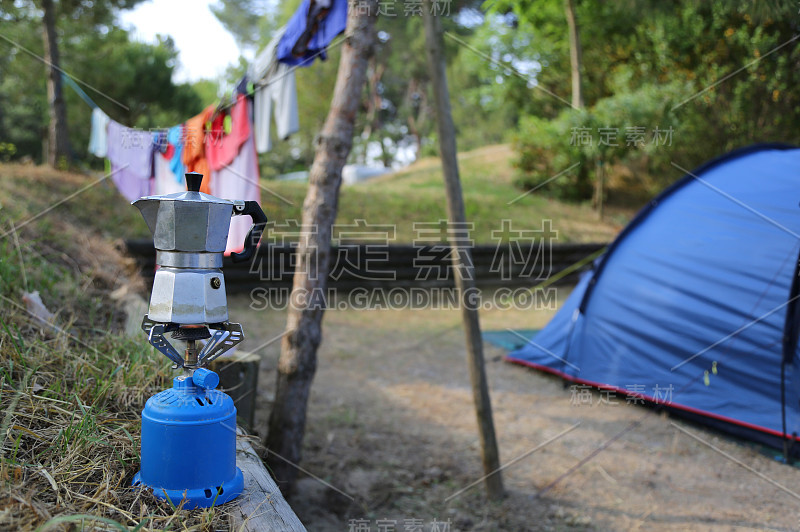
{"x":460,"y":251}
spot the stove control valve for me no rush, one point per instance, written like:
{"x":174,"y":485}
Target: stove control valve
{"x":204,"y":378}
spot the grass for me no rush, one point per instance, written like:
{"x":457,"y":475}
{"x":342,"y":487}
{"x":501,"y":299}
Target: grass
{"x":69,"y":433}
{"x":416,"y":194}
{"x":58,"y":198}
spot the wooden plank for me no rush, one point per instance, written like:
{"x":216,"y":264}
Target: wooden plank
{"x":400,"y":260}
{"x":261,"y":507}
{"x":274,"y":254}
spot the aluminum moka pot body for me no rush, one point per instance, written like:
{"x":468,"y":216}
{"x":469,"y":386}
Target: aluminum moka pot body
{"x":190,"y":233}
{"x":189,"y":443}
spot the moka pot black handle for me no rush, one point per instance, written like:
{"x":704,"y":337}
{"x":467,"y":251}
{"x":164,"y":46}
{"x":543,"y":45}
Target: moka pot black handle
{"x":253,"y":209}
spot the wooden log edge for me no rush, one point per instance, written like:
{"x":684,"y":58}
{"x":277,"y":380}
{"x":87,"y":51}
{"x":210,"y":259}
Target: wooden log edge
{"x":261,"y":507}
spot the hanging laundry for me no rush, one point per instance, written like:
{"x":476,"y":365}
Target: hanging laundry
{"x":168,"y":151}
{"x":194,"y":146}
{"x":163,"y":178}
{"x":275,"y":93}
{"x":223,"y":146}
{"x":159,"y":141}
{"x":310,"y":30}
{"x":242,"y":86}
{"x":98,"y":138}
{"x":130,"y":152}
{"x":175,"y":138}
{"x":247,"y":88}
{"x":238,"y":180}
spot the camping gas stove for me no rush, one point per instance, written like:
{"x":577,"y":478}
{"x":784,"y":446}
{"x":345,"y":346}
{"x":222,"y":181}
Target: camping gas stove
{"x":189,"y":430}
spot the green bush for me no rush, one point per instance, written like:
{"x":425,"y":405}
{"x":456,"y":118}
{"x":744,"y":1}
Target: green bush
{"x":625,"y":128}
{"x":544,"y":151}
{"x":7,"y":151}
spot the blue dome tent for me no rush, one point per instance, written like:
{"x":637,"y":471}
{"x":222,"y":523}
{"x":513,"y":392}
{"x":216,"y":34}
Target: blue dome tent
{"x":696,"y":304}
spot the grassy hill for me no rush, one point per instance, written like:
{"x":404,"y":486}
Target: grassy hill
{"x":416,"y":194}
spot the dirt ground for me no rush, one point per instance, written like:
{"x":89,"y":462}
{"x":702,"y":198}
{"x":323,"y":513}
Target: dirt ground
{"x":391,"y":427}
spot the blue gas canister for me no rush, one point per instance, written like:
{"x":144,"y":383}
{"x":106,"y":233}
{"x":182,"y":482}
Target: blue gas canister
{"x":189,"y":443}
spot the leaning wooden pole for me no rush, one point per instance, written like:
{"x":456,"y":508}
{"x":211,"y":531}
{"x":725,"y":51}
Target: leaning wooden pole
{"x":298,"y":360}
{"x":464,"y":274}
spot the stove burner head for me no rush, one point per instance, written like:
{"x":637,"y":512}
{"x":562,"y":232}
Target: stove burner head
{"x":188,"y":334}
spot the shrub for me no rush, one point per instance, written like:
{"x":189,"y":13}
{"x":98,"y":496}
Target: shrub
{"x":627,"y":128}
{"x":544,"y":151}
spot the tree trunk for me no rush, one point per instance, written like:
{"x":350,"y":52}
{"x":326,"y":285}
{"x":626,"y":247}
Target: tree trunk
{"x":462,"y":261}
{"x":600,"y":190}
{"x":575,"y":55}
{"x":298,"y":360}
{"x":418,"y":115}
{"x":374,"y":74}
{"x":58,"y":139}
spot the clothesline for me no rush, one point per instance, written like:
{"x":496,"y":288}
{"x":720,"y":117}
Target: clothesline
{"x":335,"y":44}
{"x":310,"y":33}
{"x":85,"y":97}
{"x":249,"y":93}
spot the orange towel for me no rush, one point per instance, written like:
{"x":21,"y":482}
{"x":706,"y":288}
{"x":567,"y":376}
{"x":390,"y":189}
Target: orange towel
{"x":193,"y":149}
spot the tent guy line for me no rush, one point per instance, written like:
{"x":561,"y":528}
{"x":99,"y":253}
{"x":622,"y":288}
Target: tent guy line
{"x":568,"y":270}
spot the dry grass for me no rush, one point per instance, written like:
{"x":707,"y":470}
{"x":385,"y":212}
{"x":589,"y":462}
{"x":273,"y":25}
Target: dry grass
{"x":69,"y":432}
